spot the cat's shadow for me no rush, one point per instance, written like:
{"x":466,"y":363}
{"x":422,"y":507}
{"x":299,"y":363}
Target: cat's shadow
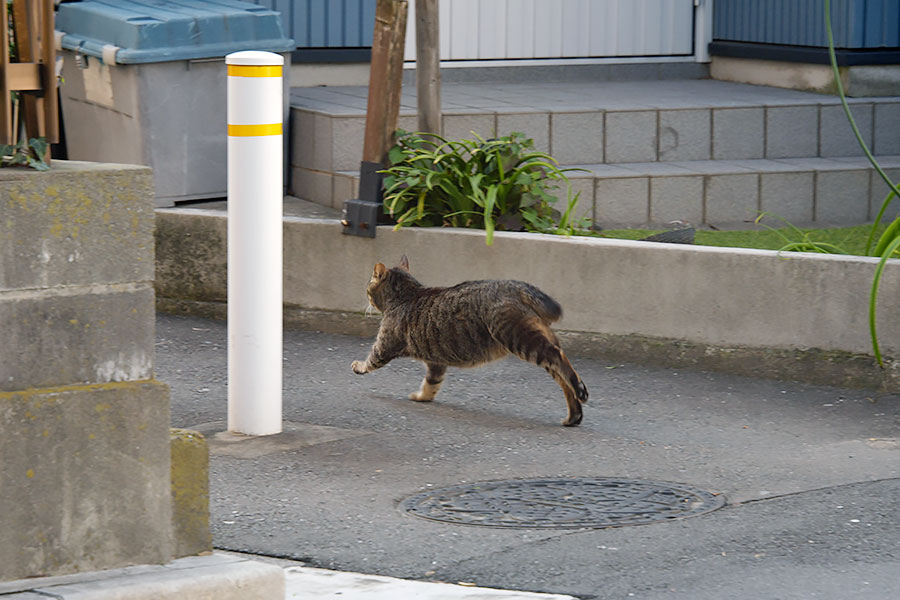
{"x":465,"y":414}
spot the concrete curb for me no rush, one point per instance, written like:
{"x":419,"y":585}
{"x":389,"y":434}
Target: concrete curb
{"x":307,"y":583}
{"x":216,"y":576}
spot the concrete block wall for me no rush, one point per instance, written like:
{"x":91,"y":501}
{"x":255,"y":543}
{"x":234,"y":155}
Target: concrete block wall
{"x":84,"y":427}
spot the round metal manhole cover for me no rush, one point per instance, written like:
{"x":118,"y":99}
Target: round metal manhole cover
{"x":562,"y":503}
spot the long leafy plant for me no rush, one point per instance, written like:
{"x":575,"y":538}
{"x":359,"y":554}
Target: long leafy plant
{"x":501,"y":183}
{"x":888,"y":243}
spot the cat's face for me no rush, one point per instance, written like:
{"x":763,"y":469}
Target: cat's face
{"x":380,"y":275}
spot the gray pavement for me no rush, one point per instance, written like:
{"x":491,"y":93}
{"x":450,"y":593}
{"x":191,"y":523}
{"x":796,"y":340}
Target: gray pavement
{"x":811,"y":474}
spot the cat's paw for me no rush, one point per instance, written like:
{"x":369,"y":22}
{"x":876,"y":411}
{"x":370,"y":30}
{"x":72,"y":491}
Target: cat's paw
{"x":358,"y":367}
{"x":420,"y":397}
{"x":581,"y":391}
{"x":573,"y":420}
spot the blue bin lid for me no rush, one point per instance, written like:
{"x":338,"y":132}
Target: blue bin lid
{"x":148,"y":31}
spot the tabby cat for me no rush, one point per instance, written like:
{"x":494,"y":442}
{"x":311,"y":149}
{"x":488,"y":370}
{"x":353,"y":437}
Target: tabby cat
{"x":466,"y":325}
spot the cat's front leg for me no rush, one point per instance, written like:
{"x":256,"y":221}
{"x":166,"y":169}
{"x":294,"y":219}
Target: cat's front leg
{"x":382,"y":352}
{"x":359,"y":367}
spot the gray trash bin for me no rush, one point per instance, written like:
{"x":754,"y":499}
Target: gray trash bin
{"x":145,"y":83}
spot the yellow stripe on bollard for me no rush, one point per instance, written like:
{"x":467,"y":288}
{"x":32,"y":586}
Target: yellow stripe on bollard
{"x":254,"y":71}
{"x":254,"y":130}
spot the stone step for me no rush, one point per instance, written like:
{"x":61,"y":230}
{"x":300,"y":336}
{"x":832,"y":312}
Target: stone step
{"x":804,"y":191}
{"x":697,"y":150}
{"x":619,"y":122}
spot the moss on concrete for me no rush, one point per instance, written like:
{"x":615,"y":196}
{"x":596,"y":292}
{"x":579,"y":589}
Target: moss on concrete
{"x":190,"y":492}
{"x":191,"y":257}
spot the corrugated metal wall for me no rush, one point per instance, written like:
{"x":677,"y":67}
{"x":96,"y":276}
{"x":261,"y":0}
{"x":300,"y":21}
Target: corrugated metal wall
{"x":326,"y":23}
{"x":856,"y":23}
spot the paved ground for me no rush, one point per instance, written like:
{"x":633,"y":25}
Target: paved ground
{"x":811,"y":474}
{"x":554,"y":96}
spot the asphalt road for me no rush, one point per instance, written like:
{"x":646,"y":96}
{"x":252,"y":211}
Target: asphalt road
{"x":811,"y":474}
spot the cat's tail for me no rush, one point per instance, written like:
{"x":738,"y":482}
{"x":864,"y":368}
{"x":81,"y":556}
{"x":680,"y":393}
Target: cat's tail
{"x":545,"y":306}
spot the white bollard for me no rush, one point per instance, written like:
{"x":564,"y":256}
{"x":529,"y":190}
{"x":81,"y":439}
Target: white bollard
{"x":255,"y":175}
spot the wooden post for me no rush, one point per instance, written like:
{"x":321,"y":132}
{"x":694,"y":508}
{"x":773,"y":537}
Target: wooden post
{"x":48,"y":75}
{"x":428,"y":66}
{"x":35,"y":70}
{"x":6,"y":129}
{"x":361,"y":215}
{"x":385,"y":79}
{"x":24,"y":20}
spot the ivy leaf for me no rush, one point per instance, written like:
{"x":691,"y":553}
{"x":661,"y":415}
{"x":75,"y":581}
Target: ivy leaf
{"x":39,"y":147}
{"x":38,"y":165}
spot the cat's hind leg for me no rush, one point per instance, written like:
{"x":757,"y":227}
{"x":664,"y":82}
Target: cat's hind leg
{"x":431,"y":384}
{"x":534,"y":342}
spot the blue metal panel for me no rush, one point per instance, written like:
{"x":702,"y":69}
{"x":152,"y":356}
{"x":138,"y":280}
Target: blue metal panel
{"x":882,"y":24}
{"x":318,"y":23}
{"x":326,"y":23}
{"x":300,"y":22}
{"x":335,"y":24}
{"x":857,"y":23}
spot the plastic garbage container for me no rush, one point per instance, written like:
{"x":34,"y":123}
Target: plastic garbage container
{"x":145,"y":83}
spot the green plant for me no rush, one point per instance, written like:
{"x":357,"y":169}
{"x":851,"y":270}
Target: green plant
{"x":889,"y":242}
{"x":501,"y":183}
{"x":29,"y":153}
{"x":797,"y":240}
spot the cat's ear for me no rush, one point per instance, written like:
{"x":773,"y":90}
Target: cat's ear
{"x":379,"y":271}
{"x":404,"y":263}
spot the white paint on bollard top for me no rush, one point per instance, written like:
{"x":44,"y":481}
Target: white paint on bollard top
{"x":255,"y":175}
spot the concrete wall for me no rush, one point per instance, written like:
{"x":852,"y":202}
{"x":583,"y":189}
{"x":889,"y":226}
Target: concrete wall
{"x":702,"y":296}
{"x":859,"y":81}
{"x":84,"y":427}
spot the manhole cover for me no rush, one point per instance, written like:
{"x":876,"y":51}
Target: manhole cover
{"x":562,"y":503}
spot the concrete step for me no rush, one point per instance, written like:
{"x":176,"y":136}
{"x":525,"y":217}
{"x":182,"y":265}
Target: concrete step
{"x":620,"y":122}
{"x":699,"y":150}
{"x":804,"y":191}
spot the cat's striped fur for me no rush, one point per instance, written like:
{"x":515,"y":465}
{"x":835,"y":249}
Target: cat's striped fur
{"x":466,"y":325}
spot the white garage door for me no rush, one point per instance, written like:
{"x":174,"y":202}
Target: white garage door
{"x":517,"y":29}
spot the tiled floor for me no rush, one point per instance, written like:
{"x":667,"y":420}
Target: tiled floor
{"x":571,"y":97}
